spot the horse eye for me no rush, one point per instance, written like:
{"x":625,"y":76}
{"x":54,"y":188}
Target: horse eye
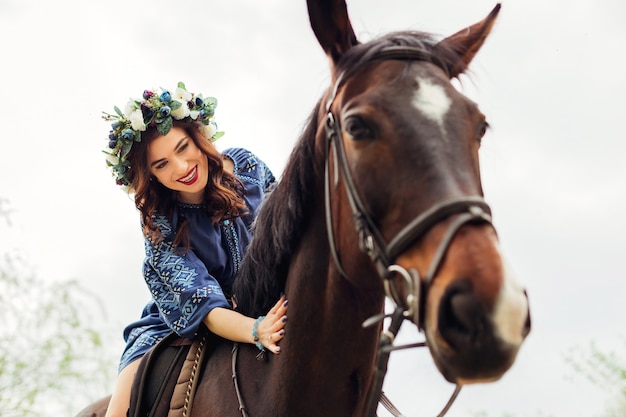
{"x":357,"y":128}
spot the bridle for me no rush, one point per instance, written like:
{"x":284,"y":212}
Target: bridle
{"x":466,"y":209}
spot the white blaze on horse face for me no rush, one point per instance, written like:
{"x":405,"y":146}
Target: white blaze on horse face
{"x":431,"y":100}
{"x":511,"y":310}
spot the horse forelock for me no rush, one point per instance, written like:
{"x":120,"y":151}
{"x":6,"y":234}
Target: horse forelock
{"x":280,"y":222}
{"x":362,"y":53}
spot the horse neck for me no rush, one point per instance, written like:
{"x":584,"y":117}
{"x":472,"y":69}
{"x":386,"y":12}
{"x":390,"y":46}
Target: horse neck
{"x":326,"y":313}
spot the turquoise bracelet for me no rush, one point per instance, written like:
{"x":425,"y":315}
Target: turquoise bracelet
{"x":255,"y":335}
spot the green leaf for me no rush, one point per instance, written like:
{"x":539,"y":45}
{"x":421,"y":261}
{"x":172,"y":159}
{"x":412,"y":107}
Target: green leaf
{"x":174,"y":105}
{"x":181,"y":85}
{"x":164,"y":127}
{"x":118,"y":111}
{"x":126,"y":147}
{"x":211,"y":101}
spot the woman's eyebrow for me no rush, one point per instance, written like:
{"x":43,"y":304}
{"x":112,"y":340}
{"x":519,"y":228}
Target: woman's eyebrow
{"x":178,"y":145}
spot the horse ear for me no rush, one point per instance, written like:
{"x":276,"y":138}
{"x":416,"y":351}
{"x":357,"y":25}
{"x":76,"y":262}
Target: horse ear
{"x":331,"y":25}
{"x":468,"y":41}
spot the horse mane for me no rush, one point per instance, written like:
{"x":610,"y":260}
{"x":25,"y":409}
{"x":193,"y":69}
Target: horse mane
{"x":281,"y":218}
{"x":284,"y":214}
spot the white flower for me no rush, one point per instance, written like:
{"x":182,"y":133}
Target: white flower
{"x":208,"y":131}
{"x":182,"y":94}
{"x":181,"y":112}
{"x":136,"y":120}
{"x":131,"y":106}
{"x":112,"y":160}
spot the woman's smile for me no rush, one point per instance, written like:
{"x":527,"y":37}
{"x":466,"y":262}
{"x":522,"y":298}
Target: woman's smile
{"x":191,"y":177}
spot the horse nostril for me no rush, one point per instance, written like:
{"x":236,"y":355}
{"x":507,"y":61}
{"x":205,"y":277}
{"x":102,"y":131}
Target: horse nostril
{"x":461,"y":315}
{"x":527,"y":326}
{"x":527,"y":323}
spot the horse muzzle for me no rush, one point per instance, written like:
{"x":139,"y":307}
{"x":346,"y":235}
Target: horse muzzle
{"x":473,"y":340}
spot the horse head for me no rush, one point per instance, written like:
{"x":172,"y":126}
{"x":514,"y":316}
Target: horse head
{"x":403,"y":145}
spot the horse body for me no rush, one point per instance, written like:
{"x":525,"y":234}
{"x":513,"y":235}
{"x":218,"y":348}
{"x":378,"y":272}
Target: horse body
{"x":381,"y":195}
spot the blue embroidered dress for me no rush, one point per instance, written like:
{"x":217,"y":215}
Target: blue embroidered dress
{"x":186,"y":286}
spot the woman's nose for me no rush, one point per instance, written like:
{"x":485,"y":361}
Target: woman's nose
{"x":181,"y":166}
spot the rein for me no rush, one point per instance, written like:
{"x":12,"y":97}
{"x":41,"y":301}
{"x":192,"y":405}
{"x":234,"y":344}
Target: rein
{"x":467,"y":209}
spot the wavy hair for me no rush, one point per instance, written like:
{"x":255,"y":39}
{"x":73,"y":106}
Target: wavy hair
{"x":223,"y":195}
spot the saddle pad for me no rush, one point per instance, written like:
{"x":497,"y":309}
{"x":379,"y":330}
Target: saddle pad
{"x":167,"y":377}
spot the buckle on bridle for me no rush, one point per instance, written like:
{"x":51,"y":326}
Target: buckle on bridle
{"x":411,"y":304}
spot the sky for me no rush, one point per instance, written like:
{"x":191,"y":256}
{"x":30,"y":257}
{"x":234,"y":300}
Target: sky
{"x":550,"y":80}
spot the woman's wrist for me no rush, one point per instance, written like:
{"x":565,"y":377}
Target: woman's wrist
{"x":255,"y":333}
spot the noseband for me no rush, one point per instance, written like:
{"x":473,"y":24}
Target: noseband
{"x":466,"y":209}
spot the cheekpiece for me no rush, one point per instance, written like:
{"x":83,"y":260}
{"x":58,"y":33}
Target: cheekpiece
{"x":157,"y":108}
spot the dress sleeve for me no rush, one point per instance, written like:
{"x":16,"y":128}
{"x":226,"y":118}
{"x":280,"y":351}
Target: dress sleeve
{"x":256,"y":177}
{"x":180,"y":284}
{"x":251,"y":169}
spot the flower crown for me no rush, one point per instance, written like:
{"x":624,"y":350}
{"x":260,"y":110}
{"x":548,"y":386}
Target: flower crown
{"x":157,"y":108}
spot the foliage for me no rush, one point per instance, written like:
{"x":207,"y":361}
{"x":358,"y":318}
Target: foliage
{"x":51,"y":361}
{"x":606,"y":370}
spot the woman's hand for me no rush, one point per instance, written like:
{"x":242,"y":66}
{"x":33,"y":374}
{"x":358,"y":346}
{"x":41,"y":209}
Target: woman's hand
{"x":271,"y":329}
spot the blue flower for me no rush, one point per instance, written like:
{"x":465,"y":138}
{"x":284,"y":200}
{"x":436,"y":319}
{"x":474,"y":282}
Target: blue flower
{"x":164,"y":111}
{"x":199,"y":101}
{"x":166,"y":97}
{"x":128,"y":134}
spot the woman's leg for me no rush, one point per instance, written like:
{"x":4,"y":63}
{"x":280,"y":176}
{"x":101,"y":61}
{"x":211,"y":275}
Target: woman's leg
{"x":120,"y":399}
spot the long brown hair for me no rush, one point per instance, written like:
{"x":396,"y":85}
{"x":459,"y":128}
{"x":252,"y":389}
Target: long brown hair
{"x":223,"y":195}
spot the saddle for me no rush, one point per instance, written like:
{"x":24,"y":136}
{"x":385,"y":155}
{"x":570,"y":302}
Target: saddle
{"x":168,"y":375}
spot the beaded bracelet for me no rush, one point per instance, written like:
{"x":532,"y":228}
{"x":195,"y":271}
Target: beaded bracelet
{"x":255,"y":335}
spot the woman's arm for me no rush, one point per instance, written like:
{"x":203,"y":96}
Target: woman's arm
{"x":234,"y":326}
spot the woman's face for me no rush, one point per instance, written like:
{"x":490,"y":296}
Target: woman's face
{"x":178,"y":164}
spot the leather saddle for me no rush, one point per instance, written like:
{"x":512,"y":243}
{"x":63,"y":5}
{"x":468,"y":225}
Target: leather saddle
{"x":168,"y":375}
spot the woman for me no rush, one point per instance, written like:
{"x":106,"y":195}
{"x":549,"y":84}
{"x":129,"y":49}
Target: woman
{"x":196,"y":207}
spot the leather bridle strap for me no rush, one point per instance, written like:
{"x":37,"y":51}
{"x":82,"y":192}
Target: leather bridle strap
{"x":233,"y":364}
{"x":435,"y":214}
{"x":467,"y":209}
{"x":371,"y":241}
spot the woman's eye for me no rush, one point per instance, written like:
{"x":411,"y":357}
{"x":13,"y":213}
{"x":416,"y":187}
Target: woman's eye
{"x":358,"y":129}
{"x":161,"y":165}
{"x":183,"y":147}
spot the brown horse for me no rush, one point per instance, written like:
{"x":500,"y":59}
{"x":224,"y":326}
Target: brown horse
{"x":381,"y":197}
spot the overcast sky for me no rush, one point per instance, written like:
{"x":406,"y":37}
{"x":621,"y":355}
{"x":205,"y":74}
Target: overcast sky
{"x":550,"y":80}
